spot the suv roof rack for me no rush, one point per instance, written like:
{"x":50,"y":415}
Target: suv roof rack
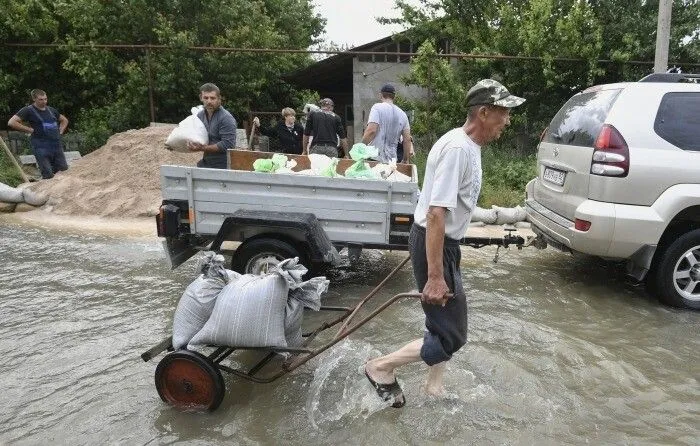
{"x":671,"y":77}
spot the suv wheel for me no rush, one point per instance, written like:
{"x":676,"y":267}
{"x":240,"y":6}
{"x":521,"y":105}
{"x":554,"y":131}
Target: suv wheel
{"x":677,"y":278}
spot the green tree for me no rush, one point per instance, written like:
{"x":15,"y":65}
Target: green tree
{"x":549,"y":30}
{"x":106,"y":90}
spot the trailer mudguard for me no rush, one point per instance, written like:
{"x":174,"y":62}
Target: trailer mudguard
{"x":305,"y":227}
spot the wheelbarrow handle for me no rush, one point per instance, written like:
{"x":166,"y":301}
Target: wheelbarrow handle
{"x":346,"y":330}
{"x":349,"y":330}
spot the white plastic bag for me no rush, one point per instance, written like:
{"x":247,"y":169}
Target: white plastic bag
{"x":190,"y":129}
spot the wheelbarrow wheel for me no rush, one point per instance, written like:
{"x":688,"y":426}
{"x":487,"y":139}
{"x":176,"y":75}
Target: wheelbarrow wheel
{"x":188,"y":380}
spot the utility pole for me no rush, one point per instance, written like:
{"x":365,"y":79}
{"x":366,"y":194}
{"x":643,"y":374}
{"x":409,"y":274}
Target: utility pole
{"x":663,"y":32}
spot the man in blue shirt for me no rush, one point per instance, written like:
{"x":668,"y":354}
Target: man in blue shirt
{"x":46,"y":125}
{"x":221,"y":126}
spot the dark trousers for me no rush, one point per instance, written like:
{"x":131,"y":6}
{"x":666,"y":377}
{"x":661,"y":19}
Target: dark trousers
{"x":445,"y":327}
{"x":324,"y":149}
{"x":49,"y":157}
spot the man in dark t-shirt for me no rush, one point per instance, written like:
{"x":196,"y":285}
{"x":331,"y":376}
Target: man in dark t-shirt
{"x":46,"y":125}
{"x":326,"y":129}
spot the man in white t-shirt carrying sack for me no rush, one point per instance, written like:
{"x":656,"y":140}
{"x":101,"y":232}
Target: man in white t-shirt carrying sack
{"x":385,"y":126}
{"x":450,"y":191}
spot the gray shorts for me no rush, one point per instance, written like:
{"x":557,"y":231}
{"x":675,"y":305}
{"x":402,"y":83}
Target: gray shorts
{"x":445,"y":327}
{"x":322,"y":149}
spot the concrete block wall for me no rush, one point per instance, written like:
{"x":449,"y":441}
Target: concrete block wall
{"x":368,"y":79}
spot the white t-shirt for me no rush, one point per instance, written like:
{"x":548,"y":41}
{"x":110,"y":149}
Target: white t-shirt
{"x":452,"y":181}
{"x":392,"y":121}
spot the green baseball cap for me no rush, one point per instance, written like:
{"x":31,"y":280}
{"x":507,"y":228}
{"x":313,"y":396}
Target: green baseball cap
{"x":491,"y":92}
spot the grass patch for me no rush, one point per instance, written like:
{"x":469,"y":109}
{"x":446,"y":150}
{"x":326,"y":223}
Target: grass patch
{"x":8,"y":172}
{"x":504,"y":176}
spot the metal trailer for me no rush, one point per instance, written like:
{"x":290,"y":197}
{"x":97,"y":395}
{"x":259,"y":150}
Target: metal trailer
{"x":277,"y":216}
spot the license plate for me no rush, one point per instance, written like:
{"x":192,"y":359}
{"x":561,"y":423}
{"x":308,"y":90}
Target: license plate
{"x":554,"y":176}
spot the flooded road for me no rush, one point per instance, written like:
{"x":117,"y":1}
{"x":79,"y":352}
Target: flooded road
{"x":561,"y":351}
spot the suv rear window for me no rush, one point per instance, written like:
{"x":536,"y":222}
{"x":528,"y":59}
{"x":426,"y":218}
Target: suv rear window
{"x":579,"y":121}
{"x":678,"y":120}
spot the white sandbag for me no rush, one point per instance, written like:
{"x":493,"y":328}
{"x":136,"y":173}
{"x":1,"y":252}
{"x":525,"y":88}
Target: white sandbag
{"x":310,"y":108}
{"x":10,"y":194}
{"x":34,"y":198}
{"x":382,"y":170}
{"x":247,"y":313}
{"x":189,"y":129}
{"x":198,"y":300}
{"x":487,"y":216}
{"x":508,"y":216}
{"x":301,"y":295}
{"x":319,"y":162}
{"x":398,"y":177}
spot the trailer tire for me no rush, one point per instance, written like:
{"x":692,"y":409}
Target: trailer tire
{"x":188,"y":380}
{"x":257,"y":255}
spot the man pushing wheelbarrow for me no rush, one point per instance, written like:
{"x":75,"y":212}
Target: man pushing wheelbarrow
{"x":450,"y":192}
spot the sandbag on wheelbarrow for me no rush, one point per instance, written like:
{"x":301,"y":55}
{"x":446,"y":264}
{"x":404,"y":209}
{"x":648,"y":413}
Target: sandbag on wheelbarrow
{"x":197,"y":302}
{"x":263,"y":310}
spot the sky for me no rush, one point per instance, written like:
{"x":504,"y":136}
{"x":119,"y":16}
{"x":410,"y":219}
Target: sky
{"x":353,"y":22}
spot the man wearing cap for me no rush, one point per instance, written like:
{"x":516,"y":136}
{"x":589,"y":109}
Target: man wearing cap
{"x":450,"y":189}
{"x":326,"y":129}
{"x":386,"y":125}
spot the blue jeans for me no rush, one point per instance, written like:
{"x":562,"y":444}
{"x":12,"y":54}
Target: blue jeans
{"x":49,"y":157}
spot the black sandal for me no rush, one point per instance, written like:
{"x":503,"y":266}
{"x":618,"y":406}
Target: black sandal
{"x":387,"y":392}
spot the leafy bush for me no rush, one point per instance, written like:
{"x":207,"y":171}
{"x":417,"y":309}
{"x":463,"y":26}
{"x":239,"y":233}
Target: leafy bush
{"x":8,"y":172}
{"x":504,"y":176}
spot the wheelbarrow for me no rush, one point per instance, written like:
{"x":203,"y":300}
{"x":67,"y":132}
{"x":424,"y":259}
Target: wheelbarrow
{"x":190,"y":380}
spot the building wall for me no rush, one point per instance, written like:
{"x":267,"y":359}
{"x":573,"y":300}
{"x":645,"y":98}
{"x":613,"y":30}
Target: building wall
{"x":368,"y":79}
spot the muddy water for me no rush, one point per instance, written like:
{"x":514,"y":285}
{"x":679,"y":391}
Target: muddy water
{"x":562,"y":351}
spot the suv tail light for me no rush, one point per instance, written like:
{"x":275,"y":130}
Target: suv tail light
{"x":611,"y":157}
{"x":582,"y":225}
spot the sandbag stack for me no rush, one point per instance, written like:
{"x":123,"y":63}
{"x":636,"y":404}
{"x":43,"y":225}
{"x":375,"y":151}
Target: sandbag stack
{"x":224,"y":308}
{"x":13,"y":199}
{"x":197,"y":302}
{"x":499,"y":215}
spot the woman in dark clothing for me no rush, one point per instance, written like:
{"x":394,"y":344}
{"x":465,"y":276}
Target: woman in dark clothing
{"x":288,"y":132}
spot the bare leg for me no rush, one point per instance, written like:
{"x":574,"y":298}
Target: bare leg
{"x":433,"y":385}
{"x":382,"y":369}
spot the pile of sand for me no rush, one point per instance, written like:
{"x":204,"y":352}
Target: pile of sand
{"x":120,"y":179}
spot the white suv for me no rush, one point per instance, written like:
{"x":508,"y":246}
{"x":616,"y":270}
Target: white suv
{"x":619,"y":178}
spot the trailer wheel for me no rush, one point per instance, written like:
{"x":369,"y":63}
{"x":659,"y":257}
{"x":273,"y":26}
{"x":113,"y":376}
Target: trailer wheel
{"x":188,"y":380}
{"x":258,"y":255}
